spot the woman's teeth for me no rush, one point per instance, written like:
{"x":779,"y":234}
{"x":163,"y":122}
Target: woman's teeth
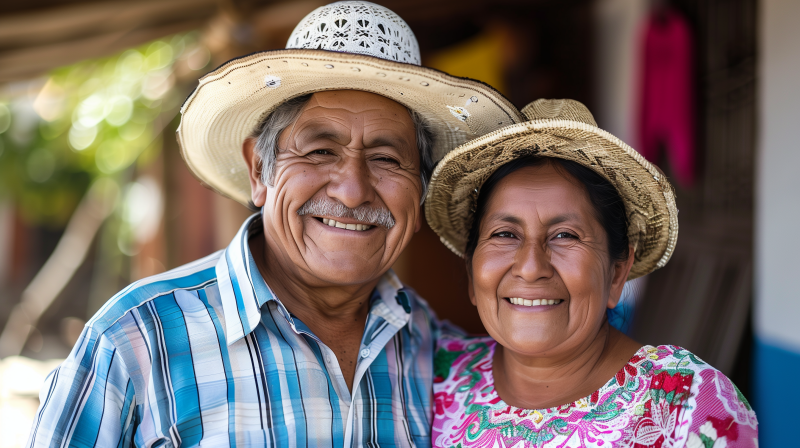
{"x":537,"y":302}
{"x":357,"y":227}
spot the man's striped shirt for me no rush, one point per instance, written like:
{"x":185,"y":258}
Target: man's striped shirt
{"x":206,"y":354}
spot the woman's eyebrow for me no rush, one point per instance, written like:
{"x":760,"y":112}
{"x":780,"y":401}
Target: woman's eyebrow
{"x":512,"y":219}
{"x":558,"y":219}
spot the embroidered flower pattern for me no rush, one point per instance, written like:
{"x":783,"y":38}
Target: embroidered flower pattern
{"x":664,"y":397}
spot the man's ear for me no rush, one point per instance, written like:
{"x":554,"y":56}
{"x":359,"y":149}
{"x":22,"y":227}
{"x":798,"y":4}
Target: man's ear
{"x":620,"y":276}
{"x":420,"y":217}
{"x":253,"y":161}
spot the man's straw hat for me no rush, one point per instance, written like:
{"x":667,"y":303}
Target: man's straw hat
{"x":564,"y":129}
{"x":346,"y":45}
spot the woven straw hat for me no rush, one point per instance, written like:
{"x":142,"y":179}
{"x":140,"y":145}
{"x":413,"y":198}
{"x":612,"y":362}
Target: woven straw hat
{"x":564,"y":129}
{"x":342,"y":46}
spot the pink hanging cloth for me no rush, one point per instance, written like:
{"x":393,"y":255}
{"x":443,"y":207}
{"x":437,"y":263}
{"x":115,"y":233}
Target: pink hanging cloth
{"x":666,"y":112}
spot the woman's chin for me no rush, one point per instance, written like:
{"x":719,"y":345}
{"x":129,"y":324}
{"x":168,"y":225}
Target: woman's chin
{"x":527,"y":344}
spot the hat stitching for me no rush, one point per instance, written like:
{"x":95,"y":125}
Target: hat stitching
{"x":366,"y":60}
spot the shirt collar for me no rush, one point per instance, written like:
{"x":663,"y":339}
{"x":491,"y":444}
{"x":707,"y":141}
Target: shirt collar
{"x":243,"y":290}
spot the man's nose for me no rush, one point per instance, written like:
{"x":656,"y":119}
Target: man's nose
{"x":532,"y":262}
{"x":352,"y":183}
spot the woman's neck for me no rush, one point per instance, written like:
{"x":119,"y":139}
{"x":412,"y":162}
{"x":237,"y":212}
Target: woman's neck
{"x":549,"y":381}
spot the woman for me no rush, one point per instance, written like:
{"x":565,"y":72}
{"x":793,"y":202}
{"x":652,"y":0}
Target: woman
{"x":553,"y":216}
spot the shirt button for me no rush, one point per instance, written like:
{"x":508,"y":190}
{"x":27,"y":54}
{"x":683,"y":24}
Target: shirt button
{"x":365,"y":353}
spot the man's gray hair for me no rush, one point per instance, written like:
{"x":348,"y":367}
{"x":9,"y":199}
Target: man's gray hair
{"x":267,"y":132}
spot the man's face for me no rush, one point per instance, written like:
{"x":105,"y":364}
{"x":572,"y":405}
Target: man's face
{"x":349,"y":148}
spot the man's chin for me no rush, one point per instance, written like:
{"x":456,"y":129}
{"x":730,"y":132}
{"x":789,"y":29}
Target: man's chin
{"x":346,"y":270}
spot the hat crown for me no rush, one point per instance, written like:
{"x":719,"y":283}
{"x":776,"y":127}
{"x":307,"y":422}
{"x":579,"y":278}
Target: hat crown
{"x":357,"y":27}
{"x":544,"y":109}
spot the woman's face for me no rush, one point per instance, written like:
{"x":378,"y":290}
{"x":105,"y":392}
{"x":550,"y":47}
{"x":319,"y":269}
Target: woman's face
{"x":541,"y":274}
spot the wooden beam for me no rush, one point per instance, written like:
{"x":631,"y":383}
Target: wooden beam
{"x":80,"y":20}
{"x":29,"y":62}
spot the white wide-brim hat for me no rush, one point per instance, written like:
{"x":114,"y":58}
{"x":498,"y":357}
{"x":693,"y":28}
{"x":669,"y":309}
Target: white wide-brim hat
{"x":352,"y":45}
{"x":563,"y":129}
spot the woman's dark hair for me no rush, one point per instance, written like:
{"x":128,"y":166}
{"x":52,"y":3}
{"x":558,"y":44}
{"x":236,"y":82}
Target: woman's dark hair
{"x":606,"y":201}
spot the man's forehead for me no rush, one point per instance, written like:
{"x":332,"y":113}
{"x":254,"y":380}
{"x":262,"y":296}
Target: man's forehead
{"x":372,"y":132}
{"x":355,"y":101}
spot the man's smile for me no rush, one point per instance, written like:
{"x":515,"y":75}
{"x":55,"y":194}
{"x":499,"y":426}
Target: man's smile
{"x":357,"y":226}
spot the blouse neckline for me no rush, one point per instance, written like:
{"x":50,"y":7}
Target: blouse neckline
{"x":581,"y":402}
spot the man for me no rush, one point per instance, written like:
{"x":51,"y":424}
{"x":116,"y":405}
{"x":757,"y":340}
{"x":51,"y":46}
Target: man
{"x":297,"y":334}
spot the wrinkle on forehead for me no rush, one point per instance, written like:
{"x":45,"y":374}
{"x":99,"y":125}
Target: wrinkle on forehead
{"x":354,"y":101}
{"x":389,"y":112}
{"x":355,"y":118}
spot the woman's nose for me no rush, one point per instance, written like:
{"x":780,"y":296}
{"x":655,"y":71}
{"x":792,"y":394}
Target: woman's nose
{"x":351,"y":183}
{"x":532,"y":263}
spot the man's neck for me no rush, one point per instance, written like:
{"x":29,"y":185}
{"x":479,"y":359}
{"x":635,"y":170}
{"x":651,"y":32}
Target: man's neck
{"x":335,"y":314}
{"x":550,"y":381}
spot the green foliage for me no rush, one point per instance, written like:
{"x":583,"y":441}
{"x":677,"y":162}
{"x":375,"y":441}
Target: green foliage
{"x":96,"y":118}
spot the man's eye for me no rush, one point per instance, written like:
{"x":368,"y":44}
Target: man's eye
{"x":322,"y":152}
{"x":386,"y":160}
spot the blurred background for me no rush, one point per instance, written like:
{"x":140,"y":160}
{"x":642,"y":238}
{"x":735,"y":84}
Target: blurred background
{"x":94,"y":193}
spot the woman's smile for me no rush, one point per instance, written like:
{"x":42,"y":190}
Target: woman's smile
{"x":534,"y":303}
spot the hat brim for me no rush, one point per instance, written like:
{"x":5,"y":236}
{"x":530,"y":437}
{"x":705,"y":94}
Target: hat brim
{"x":648,"y":196}
{"x":231,"y":101}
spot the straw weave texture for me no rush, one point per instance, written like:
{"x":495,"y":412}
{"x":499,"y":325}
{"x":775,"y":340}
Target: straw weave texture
{"x":562,"y":129}
{"x":229,"y":102}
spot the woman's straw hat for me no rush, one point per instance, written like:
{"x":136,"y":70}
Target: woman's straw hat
{"x":564,"y":129}
{"x":346,"y":45}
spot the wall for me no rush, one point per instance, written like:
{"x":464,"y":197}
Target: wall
{"x":617,"y":24}
{"x":777,"y":295}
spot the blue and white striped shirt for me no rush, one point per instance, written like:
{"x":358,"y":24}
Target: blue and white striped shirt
{"x":206,"y":354}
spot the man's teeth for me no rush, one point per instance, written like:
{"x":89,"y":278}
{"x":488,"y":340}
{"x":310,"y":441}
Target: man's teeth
{"x":537,"y":302}
{"x":357,"y":227}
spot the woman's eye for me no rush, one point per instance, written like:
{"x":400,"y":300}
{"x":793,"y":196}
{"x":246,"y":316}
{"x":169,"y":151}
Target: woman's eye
{"x":503,"y":235}
{"x":562,"y":235}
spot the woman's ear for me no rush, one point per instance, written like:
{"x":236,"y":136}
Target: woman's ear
{"x":470,"y":289}
{"x":619,"y":276}
{"x":253,"y":161}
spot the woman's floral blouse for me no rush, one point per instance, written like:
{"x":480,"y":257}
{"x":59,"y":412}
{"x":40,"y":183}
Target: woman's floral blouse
{"x":664,"y":397}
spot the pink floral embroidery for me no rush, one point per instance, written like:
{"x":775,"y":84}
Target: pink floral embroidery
{"x":663,"y":397}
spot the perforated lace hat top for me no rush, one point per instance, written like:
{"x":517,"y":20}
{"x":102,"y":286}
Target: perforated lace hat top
{"x":341,"y":46}
{"x":358,"y":28}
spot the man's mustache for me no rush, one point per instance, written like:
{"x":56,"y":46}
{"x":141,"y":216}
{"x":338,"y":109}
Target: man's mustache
{"x":377,"y":216}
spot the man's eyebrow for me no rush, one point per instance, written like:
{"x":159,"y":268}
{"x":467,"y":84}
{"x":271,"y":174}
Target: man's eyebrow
{"x":322,"y":131}
{"x":387,"y":140}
